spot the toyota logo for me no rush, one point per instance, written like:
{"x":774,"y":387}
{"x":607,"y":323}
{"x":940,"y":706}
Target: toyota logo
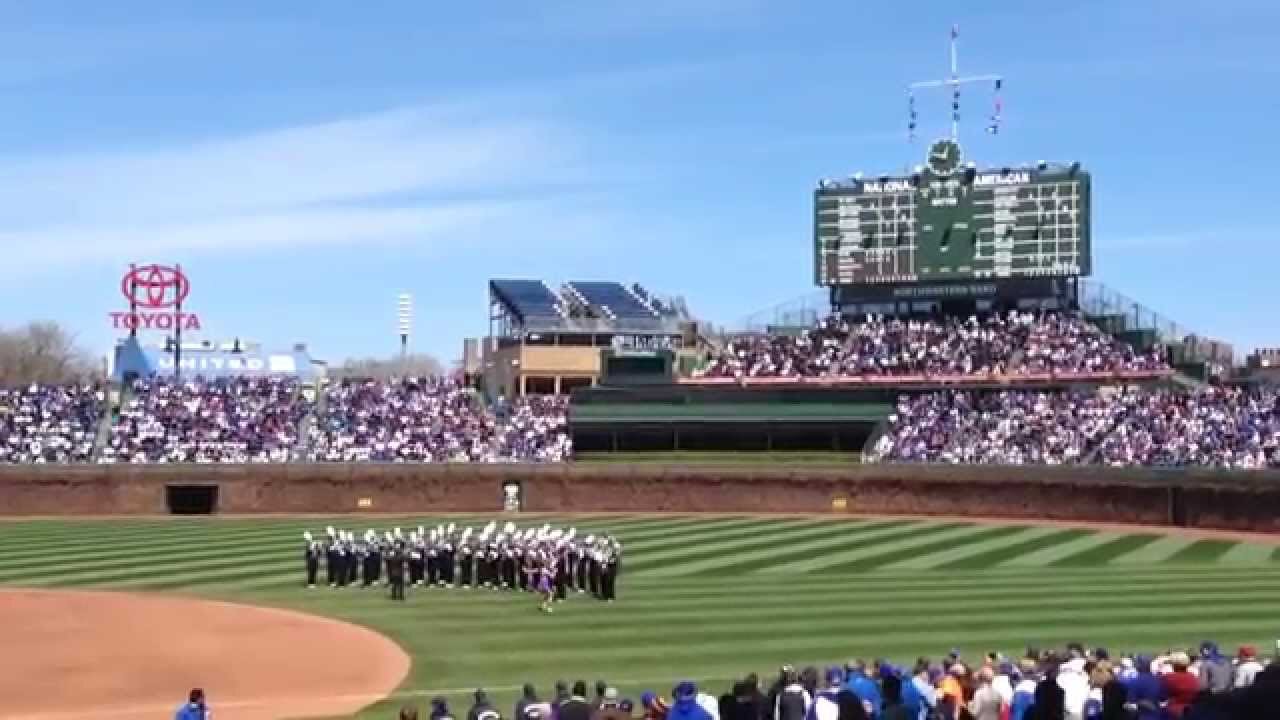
{"x":155,"y":286}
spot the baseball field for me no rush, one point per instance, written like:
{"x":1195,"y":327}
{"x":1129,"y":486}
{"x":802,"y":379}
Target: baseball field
{"x":702,"y":597}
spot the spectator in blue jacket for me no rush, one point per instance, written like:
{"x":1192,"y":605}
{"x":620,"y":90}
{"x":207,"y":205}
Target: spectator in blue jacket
{"x":685,"y":706}
{"x":1145,"y":691}
{"x":194,"y":708}
{"x":864,"y":687}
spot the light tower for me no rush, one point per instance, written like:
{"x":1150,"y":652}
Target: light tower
{"x":404,"y":317}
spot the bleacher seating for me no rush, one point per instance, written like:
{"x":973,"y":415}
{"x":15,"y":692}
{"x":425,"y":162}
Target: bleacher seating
{"x":619,"y":301}
{"x":531,"y":300}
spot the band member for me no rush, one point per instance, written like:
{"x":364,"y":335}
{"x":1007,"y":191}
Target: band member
{"x":448,"y":556}
{"x":609,"y":570}
{"x":584,"y":563}
{"x":373,"y":571}
{"x":433,"y":558}
{"x":416,"y":559}
{"x":466,"y":568}
{"x":546,"y":573}
{"x":311,"y":556}
{"x":395,"y":571}
{"x":331,"y":557}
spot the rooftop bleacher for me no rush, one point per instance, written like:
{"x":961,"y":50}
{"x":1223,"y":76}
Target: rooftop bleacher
{"x":609,"y":308}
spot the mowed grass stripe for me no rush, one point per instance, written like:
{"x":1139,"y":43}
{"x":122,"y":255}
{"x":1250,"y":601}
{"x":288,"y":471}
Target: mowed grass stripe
{"x":881,"y":554}
{"x":1048,"y":555}
{"x":801,"y":552}
{"x":947,"y":556}
{"x":1203,"y":551}
{"x":989,"y":559}
{"x":1246,"y":554}
{"x":791,"y":530}
{"x":895,"y":555}
{"x":838,"y":625}
{"x":677,"y":616}
{"x":716,"y":533}
{"x":1160,"y":550}
{"x":750,"y":560}
{"x":909,"y":532}
{"x":1104,"y":553}
{"x":205,"y":539}
{"x":636,"y":636}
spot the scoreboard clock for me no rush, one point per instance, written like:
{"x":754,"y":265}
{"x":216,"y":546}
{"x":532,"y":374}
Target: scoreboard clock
{"x":951,"y":221}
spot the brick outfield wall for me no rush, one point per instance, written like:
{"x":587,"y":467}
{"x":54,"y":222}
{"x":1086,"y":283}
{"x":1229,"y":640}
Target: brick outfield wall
{"x":1239,"y":501}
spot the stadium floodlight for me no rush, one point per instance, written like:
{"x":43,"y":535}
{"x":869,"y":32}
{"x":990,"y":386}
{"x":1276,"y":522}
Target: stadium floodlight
{"x":404,"y":316}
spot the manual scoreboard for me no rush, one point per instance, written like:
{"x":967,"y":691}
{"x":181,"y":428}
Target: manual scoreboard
{"x":948,"y":222}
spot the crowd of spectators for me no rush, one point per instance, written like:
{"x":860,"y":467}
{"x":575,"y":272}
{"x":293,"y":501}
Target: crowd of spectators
{"x":1223,"y":427}
{"x":49,"y":423}
{"x":1219,"y":427}
{"x":1017,"y":342}
{"x":1071,"y":684}
{"x":435,"y":420}
{"x":235,"y":420}
{"x":1012,"y":427}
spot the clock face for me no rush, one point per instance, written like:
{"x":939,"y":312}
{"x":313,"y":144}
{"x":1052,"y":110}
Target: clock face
{"x":944,"y":157}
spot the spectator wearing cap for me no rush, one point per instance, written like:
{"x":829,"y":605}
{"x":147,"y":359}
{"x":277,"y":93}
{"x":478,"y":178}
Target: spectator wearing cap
{"x":894,"y":707}
{"x":858,"y":683}
{"x":685,"y":705}
{"x":793,"y":700}
{"x":1146,"y":692}
{"x":610,"y":706}
{"x":598,"y":700}
{"x":1024,"y":693}
{"x":1003,"y":682}
{"x":482,"y":709}
{"x":986,"y":703}
{"x":194,"y":708}
{"x":653,"y":706}
{"x":561,"y":697}
{"x":918,"y":694}
{"x":826,"y":703}
{"x":1215,"y":670}
{"x":408,"y":712}
{"x":440,"y":709}
{"x":1180,"y":686}
{"x":529,"y":707}
{"x":1247,"y":666}
{"x":756,"y":700}
{"x":576,"y":707}
{"x":951,"y":691}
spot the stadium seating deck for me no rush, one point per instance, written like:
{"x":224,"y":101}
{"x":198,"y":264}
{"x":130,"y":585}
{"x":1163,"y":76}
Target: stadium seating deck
{"x":529,"y":299}
{"x":620,"y":301}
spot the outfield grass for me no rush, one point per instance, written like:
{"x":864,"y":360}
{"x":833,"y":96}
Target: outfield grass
{"x":708,"y":598}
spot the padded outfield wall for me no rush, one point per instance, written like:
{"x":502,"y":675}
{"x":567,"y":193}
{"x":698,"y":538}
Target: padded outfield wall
{"x":1241,"y":501}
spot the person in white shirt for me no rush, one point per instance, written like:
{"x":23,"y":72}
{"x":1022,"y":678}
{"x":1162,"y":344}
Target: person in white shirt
{"x":1247,"y":666}
{"x":1075,"y":686}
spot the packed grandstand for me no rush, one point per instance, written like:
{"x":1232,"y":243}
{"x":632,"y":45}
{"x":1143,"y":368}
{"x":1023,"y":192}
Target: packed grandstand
{"x":443,"y":419}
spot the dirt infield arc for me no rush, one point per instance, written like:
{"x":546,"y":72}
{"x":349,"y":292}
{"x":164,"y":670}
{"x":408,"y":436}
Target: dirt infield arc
{"x":72,"y":654}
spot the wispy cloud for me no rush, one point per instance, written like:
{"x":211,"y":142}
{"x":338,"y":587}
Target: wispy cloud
{"x":320,"y":184}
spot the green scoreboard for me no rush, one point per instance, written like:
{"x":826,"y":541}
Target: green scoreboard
{"x":951,"y":222}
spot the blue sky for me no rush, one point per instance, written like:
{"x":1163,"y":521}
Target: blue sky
{"x":308,"y":161}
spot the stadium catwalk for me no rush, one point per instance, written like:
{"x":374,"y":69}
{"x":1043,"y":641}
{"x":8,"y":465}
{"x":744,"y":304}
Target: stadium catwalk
{"x":550,"y":562}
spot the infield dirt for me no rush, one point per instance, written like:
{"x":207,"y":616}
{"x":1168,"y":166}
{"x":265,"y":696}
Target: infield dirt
{"x":72,"y":654}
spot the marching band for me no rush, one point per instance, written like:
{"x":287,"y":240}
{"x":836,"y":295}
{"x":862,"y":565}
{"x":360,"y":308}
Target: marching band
{"x":551,"y":562}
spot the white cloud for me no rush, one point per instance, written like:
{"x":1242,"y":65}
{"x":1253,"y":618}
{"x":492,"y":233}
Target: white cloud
{"x":410,"y":173}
